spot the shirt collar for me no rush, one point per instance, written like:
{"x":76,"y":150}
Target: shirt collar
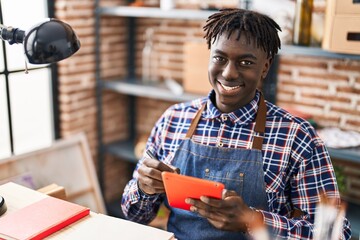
{"x":242,"y":115}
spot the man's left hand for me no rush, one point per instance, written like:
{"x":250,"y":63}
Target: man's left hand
{"x":228,"y":214}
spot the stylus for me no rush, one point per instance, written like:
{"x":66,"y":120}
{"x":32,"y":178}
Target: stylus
{"x":150,"y":154}
{"x":177,"y":170}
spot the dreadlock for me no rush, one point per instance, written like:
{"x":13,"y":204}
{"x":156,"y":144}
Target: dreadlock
{"x":258,"y":26}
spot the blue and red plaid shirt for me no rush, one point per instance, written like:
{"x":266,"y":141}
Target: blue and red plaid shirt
{"x":297,"y":165}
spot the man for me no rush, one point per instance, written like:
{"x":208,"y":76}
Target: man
{"x":273,"y":164}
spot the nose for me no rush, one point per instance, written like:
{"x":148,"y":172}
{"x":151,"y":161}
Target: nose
{"x":230,"y":71}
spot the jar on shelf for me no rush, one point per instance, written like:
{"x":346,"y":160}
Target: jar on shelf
{"x":149,"y":64}
{"x":302,"y":22}
{"x":167,"y":4}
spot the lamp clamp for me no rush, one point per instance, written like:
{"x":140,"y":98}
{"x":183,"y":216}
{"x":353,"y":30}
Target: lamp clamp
{"x":12,"y":35}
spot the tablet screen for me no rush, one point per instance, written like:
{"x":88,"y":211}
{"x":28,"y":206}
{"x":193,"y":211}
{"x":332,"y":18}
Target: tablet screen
{"x":179,"y":187}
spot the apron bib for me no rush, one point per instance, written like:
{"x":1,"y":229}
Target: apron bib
{"x":240,"y":170}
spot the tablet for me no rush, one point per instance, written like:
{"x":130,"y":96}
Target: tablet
{"x":179,"y":187}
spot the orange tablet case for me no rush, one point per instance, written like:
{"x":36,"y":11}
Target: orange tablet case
{"x":179,"y":187}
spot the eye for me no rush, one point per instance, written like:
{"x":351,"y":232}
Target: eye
{"x":245,"y":63}
{"x":218,"y":59}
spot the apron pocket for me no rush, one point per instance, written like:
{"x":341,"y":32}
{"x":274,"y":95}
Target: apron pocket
{"x":232,"y":180}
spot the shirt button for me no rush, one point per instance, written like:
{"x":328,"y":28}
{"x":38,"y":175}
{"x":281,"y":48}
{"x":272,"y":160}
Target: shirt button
{"x":223,"y":117}
{"x":207,"y":170}
{"x":220,"y":144}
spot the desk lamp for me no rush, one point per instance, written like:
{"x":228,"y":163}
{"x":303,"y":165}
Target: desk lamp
{"x":47,"y":42}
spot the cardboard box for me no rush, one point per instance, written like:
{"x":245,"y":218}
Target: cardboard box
{"x":343,"y":35}
{"x":342,"y":27}
{"x":195,"y":76}
{"x":344,"y":6}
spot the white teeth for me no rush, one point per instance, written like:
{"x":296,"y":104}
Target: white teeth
{"x":229,"y":88}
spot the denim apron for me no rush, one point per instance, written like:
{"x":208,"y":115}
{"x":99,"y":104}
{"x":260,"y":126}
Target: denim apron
{"x":240,"y":170}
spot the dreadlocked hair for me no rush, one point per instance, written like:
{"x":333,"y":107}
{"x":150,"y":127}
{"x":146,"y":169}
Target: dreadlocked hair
{"x":254,"y":25}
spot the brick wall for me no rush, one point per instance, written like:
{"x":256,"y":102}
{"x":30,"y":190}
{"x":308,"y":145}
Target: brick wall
{"x":327,"y":88}
{"x":77,"y":92}
{"x":76,"y":75}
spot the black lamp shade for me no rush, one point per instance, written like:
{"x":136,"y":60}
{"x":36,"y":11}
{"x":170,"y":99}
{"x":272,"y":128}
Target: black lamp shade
{"x":49,"y":42}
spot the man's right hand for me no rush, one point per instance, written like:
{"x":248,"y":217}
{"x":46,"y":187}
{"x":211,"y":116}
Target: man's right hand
{"x":149,"y":179}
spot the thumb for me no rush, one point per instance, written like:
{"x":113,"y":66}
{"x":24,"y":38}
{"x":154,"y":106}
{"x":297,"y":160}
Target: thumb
{"x":228,"y":193}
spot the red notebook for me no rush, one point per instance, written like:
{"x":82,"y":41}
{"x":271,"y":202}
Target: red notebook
{"x":40,"y":219}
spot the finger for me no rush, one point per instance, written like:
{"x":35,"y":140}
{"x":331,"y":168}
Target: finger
{"x":158,"y":165}
{"x":214,"y":215}
{"x":150,"y":186}
{"x":217,"y":203}
{"x":151,"y":178}
{"x":151,"y":182}
{"x":153,"y":168}
{"x":209,"y":212}
{"x":228,"y":193}
{"x":220,"y":203}
{"x":200,"y":206}
{"x":219,"y":210}
{"x":194,"y":204}
{"x":226,"y":218}
{"x":146,"y":170}
{"x":155,"y":189}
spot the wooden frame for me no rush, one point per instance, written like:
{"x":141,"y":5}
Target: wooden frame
{"x":67,"y":163}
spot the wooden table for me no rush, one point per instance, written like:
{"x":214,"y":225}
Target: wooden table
{"x":95,"y":226}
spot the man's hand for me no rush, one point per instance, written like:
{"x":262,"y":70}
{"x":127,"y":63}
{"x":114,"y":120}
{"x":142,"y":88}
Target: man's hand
{"x":149,"y":180}
{"x":228,"y":214}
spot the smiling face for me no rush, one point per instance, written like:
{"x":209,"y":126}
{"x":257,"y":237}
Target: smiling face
{"x":235,"y":69}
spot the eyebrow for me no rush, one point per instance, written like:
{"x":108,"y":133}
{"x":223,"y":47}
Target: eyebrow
{"x":247,"y":55}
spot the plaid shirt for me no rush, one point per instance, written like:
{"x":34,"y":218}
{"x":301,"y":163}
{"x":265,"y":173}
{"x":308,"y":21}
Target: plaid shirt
{"x":297,"y":165}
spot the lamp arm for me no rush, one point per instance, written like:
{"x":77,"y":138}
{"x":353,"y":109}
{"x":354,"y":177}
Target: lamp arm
{"x":12,"y":35}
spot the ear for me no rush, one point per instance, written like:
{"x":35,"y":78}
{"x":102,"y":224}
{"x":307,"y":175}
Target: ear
{"x":266,"y":68}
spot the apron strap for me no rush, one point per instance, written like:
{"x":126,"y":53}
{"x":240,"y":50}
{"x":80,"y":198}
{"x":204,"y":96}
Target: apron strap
{"x":194,"y":122}
{"x":260,"y":124}
{"x":260,"y":121}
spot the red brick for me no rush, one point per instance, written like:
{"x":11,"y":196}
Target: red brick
{"x":326,"y":97}
{"x":348,"y":66}
{"x":348,"y":89}
{"x":326,"y":77}
{"x":303,"y":62}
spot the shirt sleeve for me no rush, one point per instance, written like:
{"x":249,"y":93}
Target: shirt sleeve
{"x":138,"y":206}
{"x":314,"y":176}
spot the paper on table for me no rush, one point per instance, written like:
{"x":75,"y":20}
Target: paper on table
{"x":17,"y":196}
{"x":104,"y":227}
{"x":337,"y":138}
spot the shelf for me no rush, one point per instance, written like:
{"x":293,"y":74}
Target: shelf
{"x":149,"y":90}
{"x":314,"y":52}
{"x":347,"y":154}
{"x":191,"y":14}
{"x":123,"y":149}
{"x":150,"y":12}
